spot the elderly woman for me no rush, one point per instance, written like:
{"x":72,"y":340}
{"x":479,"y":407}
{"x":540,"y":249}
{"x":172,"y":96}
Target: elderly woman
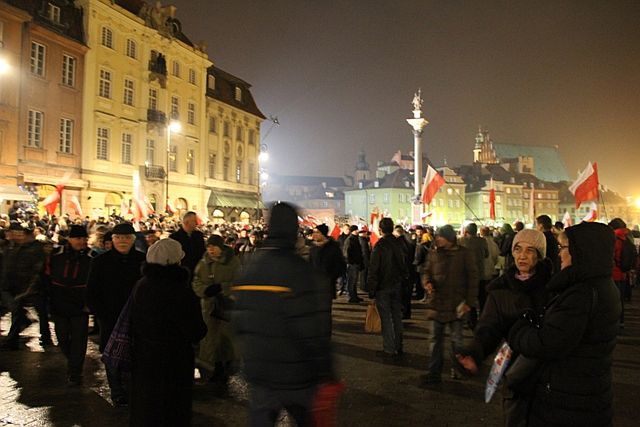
{"x":520,"y":288}
{"x":212,"y":283}
{"x":575,"y":340}
{"x":165,"y":323}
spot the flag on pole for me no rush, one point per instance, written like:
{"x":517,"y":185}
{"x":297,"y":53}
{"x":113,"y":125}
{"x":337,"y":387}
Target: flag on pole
{"x":335,"y":233}
{"x":124,"y":208}
{"x":432,"y":182}
{"x":593,"y":213}
{"x":373,"y":230}
{"x":586,"y":186}
{"x":74,"y":204}
{"x":492,"y":200}
{"x":50,"y":203}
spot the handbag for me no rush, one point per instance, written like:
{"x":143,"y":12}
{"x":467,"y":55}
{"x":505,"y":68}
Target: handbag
{"x":372,"y":322}
{"x":117,"y":352}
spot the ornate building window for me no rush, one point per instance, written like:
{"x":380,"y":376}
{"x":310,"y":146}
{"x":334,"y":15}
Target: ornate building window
{"x":150,"y":154}
{"x":126,"y":148}
{"x":102,"y":144}
{"x":175,"y":108}
{"x":175,"y":68}
{"x":36,"y":62}
{"x":53,"y":13}
{"x":192,"y":76}
{"x":128,"y":92}
{"x":34,"y":129}
{"x":68,"y":70}
{"x":107,"y":37}
{"x":212,"y":165}
{"x":213,"y":125}
{"x":191,"y":113}
{"x":132,"y":49}
{"x":104,"y":89}
{"x":153,"y":98}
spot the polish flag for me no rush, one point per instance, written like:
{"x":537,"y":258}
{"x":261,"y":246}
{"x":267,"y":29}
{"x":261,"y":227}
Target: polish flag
{"x":373,"y":231}
{"x":593,"y":213}
{"x":147,"y":202}
{"x":124,"y":208}
{"x":170,"y":209}
{"x":432,"y":182}
{"x":335,"y":233}
{"x":492,"y":200}
{"x":74,"y":204}
{"x":566,"y":220}
{"x":51,"y":201}
{"x":586,"y":186}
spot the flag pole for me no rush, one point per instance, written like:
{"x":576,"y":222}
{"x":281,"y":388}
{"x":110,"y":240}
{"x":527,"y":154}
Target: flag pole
{"x":465,"y":204}
{"x":604,"y":206}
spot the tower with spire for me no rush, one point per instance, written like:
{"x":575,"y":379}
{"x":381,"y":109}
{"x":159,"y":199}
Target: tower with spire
{"x":362,"y":172}
{"x":483,"y":151}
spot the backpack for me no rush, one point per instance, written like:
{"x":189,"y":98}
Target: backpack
{"x":627,"y":256}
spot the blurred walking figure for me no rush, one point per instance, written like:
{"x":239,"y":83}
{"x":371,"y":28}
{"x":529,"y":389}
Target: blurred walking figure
{"x":353,"y":254}
{"x":388,"y":272}
{"x":325,"y":255}
{"x":212,"y":283}
{"x":282,"y":320}
{"x":165,"y":323}
{"x":111,"y":280}
{"x":450,"y":278}
{"x":66,"y":276}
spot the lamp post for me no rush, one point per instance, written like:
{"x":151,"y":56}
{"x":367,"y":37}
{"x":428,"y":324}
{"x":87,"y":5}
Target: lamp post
{"x":173,"y":126}
{"x":417,"y":123}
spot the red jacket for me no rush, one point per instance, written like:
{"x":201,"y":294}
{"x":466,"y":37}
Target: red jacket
{"x":621,"y":236}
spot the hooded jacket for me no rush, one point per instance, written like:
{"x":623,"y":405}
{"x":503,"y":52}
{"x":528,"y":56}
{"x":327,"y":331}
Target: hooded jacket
{"x":575,"y":341}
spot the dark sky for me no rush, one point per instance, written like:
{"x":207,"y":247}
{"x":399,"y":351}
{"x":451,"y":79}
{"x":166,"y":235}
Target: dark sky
{"x":340,"y":76}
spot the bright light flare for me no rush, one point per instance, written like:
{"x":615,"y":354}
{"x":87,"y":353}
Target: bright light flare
{"x":638,"y":203}
{"x":4,"y":66}
{"x":263,"y":157}
{"x":175,"y":126}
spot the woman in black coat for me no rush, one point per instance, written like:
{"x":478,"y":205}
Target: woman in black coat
{"x":166,"y":321}
{"x":574,"y":342}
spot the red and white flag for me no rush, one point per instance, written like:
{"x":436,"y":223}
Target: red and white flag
{"x":492,"y":200}
{"x":335,"y":233}
{"x":432,"y":182}
{"x":373,"y":230}
{"x":593,"y":213}
{"x":532,"y":204}
{"x":586,"y":186}
{"x":124,"y":208}
{"x":50,"y":203}
{"x":74,"y":204}
{"x":170,"y":209}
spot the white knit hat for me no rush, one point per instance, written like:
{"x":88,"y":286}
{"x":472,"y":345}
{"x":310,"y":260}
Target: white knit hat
{"x":531,"y":237}
{"x":165,"y":252}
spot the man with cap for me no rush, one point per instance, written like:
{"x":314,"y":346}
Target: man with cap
{"x":20,"y":283}
{"x":326,"y":256}
{"x":450,"y":278}
{"x":352,"y":252}
{"x":192,"y":241}
{"x":112,"y":277}
{"x":282,"y":321}
{"x":66,"y":275}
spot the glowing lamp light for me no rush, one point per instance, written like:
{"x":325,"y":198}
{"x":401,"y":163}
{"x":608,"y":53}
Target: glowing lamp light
{"x":4,"y":66}
{"x":264,"y":176}
{"x":263,"y":157}
{"x":638,"y":203}
{"x":175,"y":126}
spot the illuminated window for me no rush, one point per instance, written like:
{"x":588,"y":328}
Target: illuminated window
{"x":126,"y":148}
{"x":128,"y":92}
{"x":132,"y":49}
{"x":34,"y":129}
{"x":211,"y":82}
{"x":66,"y":136}
{"x":102,"y":144}
{"x":238,"y":94}
{"x":191,"y":113}
{"x":192,"y":76}
{"x":175,"y":108}
{"x":212,"y":165}
{"x":175,"y":70}
{"x":153,"y":99}
{"x":53,"y":12}
{"x":150,"y":155}
{"x":104,"y":89}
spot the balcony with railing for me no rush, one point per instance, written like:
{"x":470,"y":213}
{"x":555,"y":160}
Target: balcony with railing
{"x":153,"y":172}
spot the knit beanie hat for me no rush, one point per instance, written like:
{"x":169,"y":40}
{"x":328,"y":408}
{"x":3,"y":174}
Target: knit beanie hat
{"x":447,"y":232}
{"x":531,"y":237}
{"x":283,"y":222}
{"x":215,"y":240}
{"x":323,"y":229}
{"x":165,"y":252}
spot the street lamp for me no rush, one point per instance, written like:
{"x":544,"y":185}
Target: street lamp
{"x":174,"y":127}
{"x":4,"y":66}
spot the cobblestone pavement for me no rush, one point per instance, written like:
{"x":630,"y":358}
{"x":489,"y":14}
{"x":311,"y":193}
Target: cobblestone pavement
{"x":33,"y":389}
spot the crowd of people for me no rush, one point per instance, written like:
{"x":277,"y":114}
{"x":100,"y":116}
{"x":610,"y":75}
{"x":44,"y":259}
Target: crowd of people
{"x":257,"y":299}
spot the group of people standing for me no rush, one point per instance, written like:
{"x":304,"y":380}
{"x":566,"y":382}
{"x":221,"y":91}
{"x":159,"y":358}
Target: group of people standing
{"x":264,"y":301}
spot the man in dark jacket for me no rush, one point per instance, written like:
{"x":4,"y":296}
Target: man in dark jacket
{"x":575,"y":340}
{"x":450,"y":278}
{"x":480,"y":250}
{"x":192,"y":241}
{"x":408,"y":249}
{"x":111,"y":280}
{"x":544,"y":225}
{"x":282,"y":320}
{"x":326,"y":256}
{"x":387,"y":273}
{"x":23,"y":264}
{"x":353,"y":255}
{"x":66,"y":274}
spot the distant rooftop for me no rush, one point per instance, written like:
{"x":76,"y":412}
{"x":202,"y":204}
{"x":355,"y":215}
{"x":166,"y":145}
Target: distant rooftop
{"x":329,"y":181}
{"x":548,"y":164}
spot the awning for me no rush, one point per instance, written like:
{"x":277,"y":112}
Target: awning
{"x":14,"y":193}
{"x":233,"y":200}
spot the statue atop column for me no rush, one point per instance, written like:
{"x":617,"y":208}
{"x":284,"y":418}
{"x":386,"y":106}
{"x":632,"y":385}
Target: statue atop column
{"x":417,"y":101}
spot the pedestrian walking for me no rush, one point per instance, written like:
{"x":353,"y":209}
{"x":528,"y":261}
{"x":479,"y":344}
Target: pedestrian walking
{"x":191,"y":239}
{"x":352,"y":252}
{"x":282,"y":320}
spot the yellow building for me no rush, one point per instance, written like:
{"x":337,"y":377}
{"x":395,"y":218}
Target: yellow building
{"x":141,"y":71}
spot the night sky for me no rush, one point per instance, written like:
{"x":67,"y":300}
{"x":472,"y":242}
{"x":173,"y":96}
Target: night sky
{"x":340,"y":76}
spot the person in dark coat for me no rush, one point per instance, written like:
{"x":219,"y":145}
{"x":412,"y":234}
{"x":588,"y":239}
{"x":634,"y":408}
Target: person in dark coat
{"x":388,"y":272}
{"x":111,"y":280}
{"x":522,"y":287}
{"x":545,"y":225}
{"x":575,"y":340}
{"x":353,"y":255}
{"x":282,"y":322}
{"x":66,"y":276}
{"x":192,"y":241}
{"x":408,"y":249}
{"x":325,"y":255}
{"x":165,"y":324}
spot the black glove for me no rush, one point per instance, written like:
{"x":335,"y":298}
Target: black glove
{"x":213,"y":290}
